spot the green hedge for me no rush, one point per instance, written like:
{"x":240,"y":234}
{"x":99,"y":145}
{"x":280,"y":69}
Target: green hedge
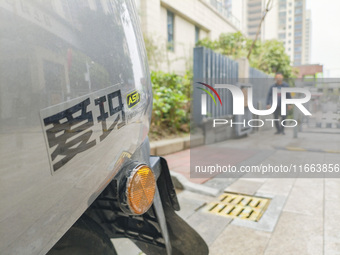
{"x":171,"y":102}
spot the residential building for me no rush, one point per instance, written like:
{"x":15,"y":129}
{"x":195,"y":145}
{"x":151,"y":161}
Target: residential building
{"x":295,"y":30}
{"x":286,"y":26}
{"x":308,"y":36}
{"x":299,"y":32}
{"x":287,"y":21}
{"x":176,"y":25}
{"x":255,"y":11}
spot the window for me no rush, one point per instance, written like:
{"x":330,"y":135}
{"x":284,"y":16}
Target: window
{"x":254,"y":11}
{"x":298,"y":3}
{"x":298,"y":18}
{"x":170,"y":24}
{"x":252,"y":26}
{"x":296,"y":49}
{"x":254,"y":4}
{"x":298,"y":33}
{"x":298,"y":10}
{"x":282,"y":36}
{"x":254,"y":18}
{"x":197,"y":34}
{"x":298,"y":41}
{"x":297,"y":56}
{"x":290,"y":19}
{"x":298,"y":26}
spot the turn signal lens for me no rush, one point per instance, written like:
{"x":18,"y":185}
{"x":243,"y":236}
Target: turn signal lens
{"x":141,"y":187}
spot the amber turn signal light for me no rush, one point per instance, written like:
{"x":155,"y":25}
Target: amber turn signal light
{"x":140,"y":189}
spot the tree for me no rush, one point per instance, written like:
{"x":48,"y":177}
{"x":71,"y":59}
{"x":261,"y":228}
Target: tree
{"x":268,"y":56}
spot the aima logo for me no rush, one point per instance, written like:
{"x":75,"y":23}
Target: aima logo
{"x":238,"y":99}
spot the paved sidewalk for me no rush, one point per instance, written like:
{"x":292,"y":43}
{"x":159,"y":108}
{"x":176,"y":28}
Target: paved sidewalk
{"x":303,"y":215}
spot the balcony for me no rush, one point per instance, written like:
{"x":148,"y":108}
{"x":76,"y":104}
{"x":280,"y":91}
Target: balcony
{"x":225,"y":12}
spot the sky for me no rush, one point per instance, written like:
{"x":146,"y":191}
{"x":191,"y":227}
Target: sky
{"x":326,"y":35}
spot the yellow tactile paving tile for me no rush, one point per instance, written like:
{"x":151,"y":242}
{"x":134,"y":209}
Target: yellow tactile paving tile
{"x":239,"y":206}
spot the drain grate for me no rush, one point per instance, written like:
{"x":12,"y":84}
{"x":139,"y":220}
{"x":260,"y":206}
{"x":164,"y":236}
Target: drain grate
{"x":239,"y":206}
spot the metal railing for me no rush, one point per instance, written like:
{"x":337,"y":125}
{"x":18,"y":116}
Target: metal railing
{"x":261,"y":83}
{"x":213,"y":68}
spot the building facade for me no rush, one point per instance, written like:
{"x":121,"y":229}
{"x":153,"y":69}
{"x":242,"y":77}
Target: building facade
{"x":255,"y":12}
{"x":288,"y":21}
{"x":308,"y":36}
{"x":174,"y":26}
{"x":299,"y":32}
{"x":309,"y":71}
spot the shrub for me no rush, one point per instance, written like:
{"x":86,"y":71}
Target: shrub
{"x":171,"y":102}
